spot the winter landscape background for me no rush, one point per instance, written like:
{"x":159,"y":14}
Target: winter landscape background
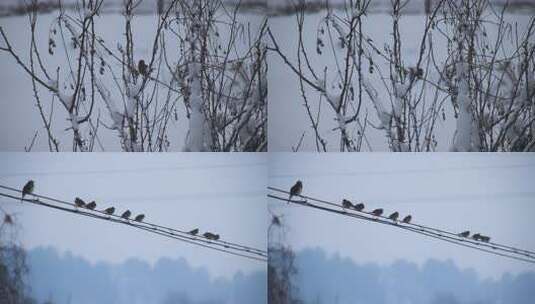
{"x":339,"y":259}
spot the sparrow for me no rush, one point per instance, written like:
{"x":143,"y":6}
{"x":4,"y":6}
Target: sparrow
{"x":407,"y":219}
{"x":110,"y":210}
{"x":346,"y":204}
{"x":126,"y":214}
{"x":78,"y":202}
{"x":91,"y":205}
{"x":194,"y":231}
{"x":359,"y":207}
{"x":377,"y":212}
{"x":139,"y":218}
{"x":484,"y":238}
{"x":477,"y":237}
{"x":27,"y":189}
{"x":142,"y":67}
{"x":394,"y":216}
{"x":295,"y":190}
{"x":211,"y":236}
{"x":464,"y":234}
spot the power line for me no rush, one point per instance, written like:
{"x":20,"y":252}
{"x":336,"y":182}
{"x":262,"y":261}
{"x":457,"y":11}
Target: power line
{"x":133,"y":170}
{"x":492,"y":248}
{"x":405,"y":171}
{"x":419,"y":226}
{"x":182,"y":232}
{"x":200,"y":240}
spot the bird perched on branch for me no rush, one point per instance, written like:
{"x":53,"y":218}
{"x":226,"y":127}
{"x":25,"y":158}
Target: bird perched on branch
{"x":27,"y":189}
{"x":194,"y":231}
{"x":346,"y":204}
{"x":142,"y":68}
{"x":139,"y":218}
{"x":295,"y":190}
{"x":126,"y":214}
{"x":110,"y":210}
{"x":485,"y":238}
{"x":78,"y":202}
{"x":359,"y":207}
{"x":211,"y":236}
{"x":464,"y":234}
{"x":476,"y":237}
{"x":377,"y":212}
{"x":407,"y":219}
{"x":394,"y":216}
{"x":91,"y":205}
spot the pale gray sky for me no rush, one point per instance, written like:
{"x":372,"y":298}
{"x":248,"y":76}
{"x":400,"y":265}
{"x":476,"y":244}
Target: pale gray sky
{"x":215,"y":192}
{"x":490,"y":193}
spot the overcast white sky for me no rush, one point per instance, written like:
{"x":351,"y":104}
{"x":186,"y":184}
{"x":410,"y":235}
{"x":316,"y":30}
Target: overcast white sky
{"x":216,"y":192}
{"x":490,"y":193}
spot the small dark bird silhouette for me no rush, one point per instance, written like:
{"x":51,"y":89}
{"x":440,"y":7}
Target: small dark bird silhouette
{"x":91,"y":205}
{"x":110,"y":210}
{"x":126,"y":214}
{"x":377,"y":212}
{"x":142,"y":67}
{"x":485,"y":238}
{"x":359,"y":207}
{"x":194,"y":231}
{"x":415,"y":73}
{"x":211,"y":236}
{"x":464,"y":234}
{"x":477,"y":237}
{"x":394,"y":216}
{"x":139,"y":218}
{"x":27,"y":189}
{"x":78,"y":202}
{"x":346,"y":204}
{"x":295,"y":190}
{"x":407,"y":219}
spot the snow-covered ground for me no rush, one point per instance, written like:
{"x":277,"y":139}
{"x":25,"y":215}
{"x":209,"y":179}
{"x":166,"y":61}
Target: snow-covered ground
{"x":288,"y":118}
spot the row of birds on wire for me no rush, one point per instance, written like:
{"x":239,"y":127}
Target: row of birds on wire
{"x":297,"y":189}
{"x":80,"y":203}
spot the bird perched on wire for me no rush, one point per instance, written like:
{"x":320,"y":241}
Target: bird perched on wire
{"x":484,"y":238}
{"x":142,"y":68}
{"x":295,"y":190}
{"x":194,"y":231}
{"x":464,"y":233}
{"x":346,"y":204}
{"x":27,"y":189}
{"x":139,"y":218}
{"x":394,"y":216}
{"x":359,"y":207}
{"x":110,"y":210}
{"x":126,"y":214}
{"x":476,"y":237}
{"x":78,"y":202}
{"x":91,"y":205}
{"x":377,"y":212}
{"x":211,"y":236}
{"x":407,"y":219}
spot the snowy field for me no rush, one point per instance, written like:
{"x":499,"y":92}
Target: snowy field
{"x":20,"y":119}
{"x":288,"y":119}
